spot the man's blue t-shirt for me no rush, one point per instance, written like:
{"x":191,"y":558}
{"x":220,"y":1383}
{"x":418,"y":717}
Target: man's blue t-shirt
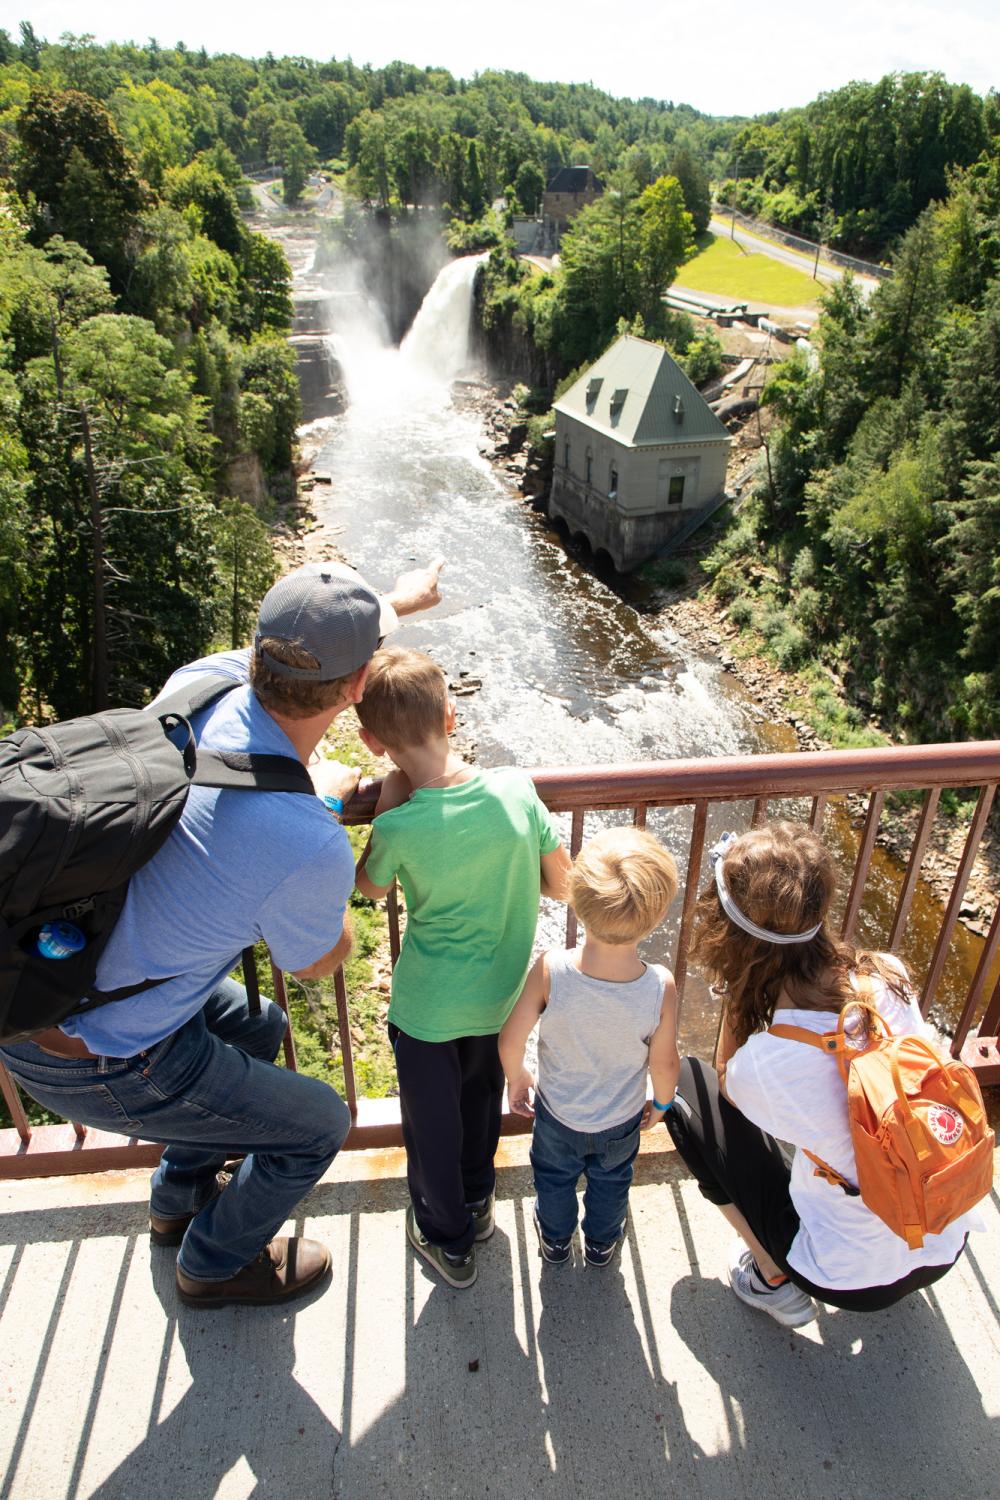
{"x":240,"y":865}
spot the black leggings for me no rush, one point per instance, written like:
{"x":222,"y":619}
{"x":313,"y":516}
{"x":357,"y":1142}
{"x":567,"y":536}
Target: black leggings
{"x":734,"y":1161}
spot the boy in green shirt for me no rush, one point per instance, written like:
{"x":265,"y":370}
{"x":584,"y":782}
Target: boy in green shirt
{"x":472,"y":850}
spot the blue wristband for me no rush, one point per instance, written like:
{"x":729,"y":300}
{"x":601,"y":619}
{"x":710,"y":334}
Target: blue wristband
{"x":335,"y":804}
{"x":663,"y":1107}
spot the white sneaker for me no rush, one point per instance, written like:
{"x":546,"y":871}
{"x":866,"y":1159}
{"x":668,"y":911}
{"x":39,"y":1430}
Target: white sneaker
{"x":787,"y":1302}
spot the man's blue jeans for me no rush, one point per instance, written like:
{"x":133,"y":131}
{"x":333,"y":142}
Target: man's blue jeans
{"x":605,"y":1157}
{"x":208,"y":1091}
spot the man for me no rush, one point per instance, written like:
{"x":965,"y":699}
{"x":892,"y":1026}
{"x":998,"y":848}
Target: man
{"x":186,"y":1063}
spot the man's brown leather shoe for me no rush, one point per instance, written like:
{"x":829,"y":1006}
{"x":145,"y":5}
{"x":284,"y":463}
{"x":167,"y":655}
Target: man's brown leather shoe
{"x":284,"y":1269}
{"x":172,"y":1231}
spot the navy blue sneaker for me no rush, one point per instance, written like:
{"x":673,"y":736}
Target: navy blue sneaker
{"x":556,"y":1252}
{"x":601,"y":1253}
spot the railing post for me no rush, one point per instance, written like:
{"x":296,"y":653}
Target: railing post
{"x":927,"y":813}
{"x":13,"y":1101}
{"x":575,"y":845}
{"x":698,"y":827}
{"x":281,"y":998}
{"x":346,"y":1046}
{"x":861,"y":864}
{"x":957,"y":892}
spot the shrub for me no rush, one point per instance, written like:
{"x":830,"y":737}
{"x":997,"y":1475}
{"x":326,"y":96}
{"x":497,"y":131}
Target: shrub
{"x":739,"y":541}
{"x":809,"y":608}
{"x":790,"y":646}
{"x":803,"y":568}
{"x":741,"y":613}
{"x":703,"y":360}
{"x":668,"y":572}
{"x":541,"y":435}
{"x":725,"y":587}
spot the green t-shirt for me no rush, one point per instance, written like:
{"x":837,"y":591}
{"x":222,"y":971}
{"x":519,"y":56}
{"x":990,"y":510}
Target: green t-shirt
{"x":467,"y":858}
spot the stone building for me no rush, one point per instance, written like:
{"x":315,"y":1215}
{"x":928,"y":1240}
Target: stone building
{"x":639,"y":457}
{"x":567,"y":191}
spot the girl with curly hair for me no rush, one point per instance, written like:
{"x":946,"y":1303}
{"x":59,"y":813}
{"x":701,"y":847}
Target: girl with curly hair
{"x":763,"y":938}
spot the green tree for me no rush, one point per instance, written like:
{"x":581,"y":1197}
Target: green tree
{"x":247,"y":567}
{"x":297,"y":158}
{"x":203,"y":189}
{"x":15,"y":478}
{"x":155,"y":120}
{"x":126,"y":517}
{"x":694,"y":185}
{"x":270,"y":403}
{"x":529,"y":185}
{"x":666,"y":239}
{"x":31,"y":47}
{"x":265,"y":288}
{"x":83,"y":180}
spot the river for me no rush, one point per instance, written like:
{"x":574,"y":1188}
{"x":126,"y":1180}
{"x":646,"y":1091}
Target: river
{"x":554,"y":666}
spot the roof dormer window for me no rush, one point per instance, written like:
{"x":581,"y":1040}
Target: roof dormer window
{"x":617,"y":402}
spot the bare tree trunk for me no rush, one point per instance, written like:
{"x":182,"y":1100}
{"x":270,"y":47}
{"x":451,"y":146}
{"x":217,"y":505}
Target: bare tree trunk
{"x":234,"y":620}
{"x":99,"y":668}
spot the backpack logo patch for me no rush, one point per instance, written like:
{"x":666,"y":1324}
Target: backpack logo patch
{"x":946,"y":1124}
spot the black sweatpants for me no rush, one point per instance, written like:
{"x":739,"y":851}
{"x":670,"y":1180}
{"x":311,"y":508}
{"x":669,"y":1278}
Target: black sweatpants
{"x":734,"y":1161}
{"x":450,"y":1097}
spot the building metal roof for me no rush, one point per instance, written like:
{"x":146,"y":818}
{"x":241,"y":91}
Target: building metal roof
{"x":574,"y":180}
{"x":640,"y":396}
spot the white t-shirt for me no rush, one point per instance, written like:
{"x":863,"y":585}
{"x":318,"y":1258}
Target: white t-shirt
{"x":797,"y":1094}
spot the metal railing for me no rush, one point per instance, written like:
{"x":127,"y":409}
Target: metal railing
{"x":36,"y":1151}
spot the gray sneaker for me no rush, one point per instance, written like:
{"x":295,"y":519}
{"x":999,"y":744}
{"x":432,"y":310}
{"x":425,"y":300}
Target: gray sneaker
{"x":786,"y":1303}
{"x":482,"y":1212}
{"x":457,"y":1270}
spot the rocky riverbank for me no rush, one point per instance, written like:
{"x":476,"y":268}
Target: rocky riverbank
{"x":699,"y":619}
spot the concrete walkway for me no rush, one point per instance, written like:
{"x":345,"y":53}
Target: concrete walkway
{"x":646,"y":1380}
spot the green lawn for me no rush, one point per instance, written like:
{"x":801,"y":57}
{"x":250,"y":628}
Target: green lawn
{"x":721,"y":267}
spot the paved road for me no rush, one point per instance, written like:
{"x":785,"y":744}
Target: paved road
{"x":827,"y":271}
{"x":327,"y":200}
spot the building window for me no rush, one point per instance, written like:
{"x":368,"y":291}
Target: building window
{"x":590,"y":465}
{"x":566,"y":456}
{"x":675,"y":495}
{"x":613,"y":487}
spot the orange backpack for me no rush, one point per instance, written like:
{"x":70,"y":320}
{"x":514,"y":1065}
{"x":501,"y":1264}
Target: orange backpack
{"x":923,"y":1148}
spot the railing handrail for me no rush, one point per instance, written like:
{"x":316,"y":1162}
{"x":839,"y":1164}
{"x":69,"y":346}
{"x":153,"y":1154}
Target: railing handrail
{"x":726,"y":778}
{"x":665,"y":783}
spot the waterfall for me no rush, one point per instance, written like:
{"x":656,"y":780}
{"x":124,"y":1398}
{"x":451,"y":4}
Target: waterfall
{"x":438,"y":343}
{"x":436,"y":349}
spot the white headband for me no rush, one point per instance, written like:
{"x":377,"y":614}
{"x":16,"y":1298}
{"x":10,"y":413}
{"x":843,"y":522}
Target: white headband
{"x":733,"y":912}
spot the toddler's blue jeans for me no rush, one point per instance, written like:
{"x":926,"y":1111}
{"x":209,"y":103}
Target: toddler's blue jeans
{"x":208,"y":1091}
{"x":558,"y":1158}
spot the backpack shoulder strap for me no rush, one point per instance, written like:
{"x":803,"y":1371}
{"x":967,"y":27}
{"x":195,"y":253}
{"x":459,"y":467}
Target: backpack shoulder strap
{"x":826,"y":1041}
{"x":833,"y":1043}
{"x":231,"y":770}
{"x":831,"y":1175}
{"x":192,"y":697}
{"x":238,"y":770}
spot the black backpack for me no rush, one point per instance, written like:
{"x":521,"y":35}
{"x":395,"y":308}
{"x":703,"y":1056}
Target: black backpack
{"x":83,"y":805}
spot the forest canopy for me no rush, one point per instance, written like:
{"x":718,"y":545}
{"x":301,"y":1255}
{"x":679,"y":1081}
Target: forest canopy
{"x":144,"y":364}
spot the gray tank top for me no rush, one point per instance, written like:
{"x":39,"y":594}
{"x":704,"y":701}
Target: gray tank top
{"x":593,"y":1043}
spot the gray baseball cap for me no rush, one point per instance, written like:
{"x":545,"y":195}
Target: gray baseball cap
{"x":329,"y":610}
